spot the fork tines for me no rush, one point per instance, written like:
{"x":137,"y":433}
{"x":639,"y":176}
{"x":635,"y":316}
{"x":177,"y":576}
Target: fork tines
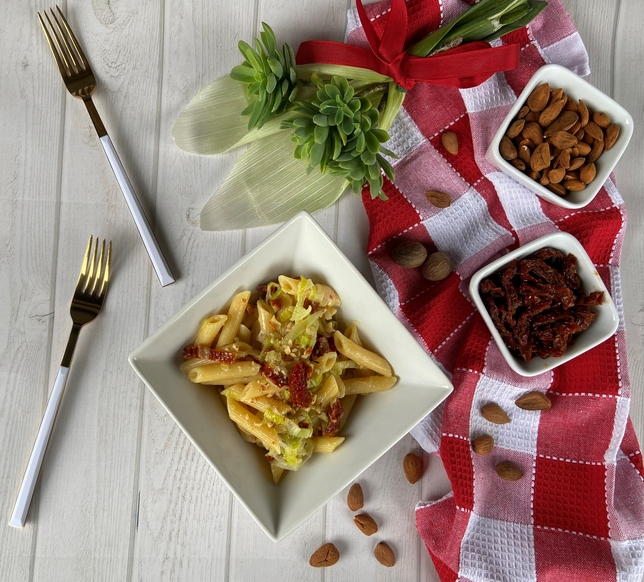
{"x":95,"y":273}
{"x":63,"y":44}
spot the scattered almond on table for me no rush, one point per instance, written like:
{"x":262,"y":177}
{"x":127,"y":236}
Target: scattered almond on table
{"x":556,"y":140}
{"x":492,"y":412}
{"x":413,"y":467}
{"x":355,"y":497}
{"x":409,"y":254}
{"x":325,"y":556}
{"x":483,"y":445}
{"x":438,"y":199}
{"x":384,"y":554}
{"x":508,"y":471}
{"x":533,"y":401}
{"x":365,"y":524}
{"x":450,"y":142}
{"x":437,"y":267}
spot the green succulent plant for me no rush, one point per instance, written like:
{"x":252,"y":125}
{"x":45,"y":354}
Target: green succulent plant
{"x":337,"y":132}
{"x":270,"y":76}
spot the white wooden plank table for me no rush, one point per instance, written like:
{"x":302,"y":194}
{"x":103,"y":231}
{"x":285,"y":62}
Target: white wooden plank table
{"x":123,"y":494}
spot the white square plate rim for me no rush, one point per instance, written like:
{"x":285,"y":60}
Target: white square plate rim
{"x":572,"y":245}
{"x":141,"y":352}
{"x":586,"y":92}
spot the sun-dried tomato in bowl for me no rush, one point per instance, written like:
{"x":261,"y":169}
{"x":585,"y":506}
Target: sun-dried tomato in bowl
{"x":538,"y":305}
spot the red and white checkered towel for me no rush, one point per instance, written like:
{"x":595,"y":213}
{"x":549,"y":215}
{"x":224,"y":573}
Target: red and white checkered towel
{"x":578,"y":513}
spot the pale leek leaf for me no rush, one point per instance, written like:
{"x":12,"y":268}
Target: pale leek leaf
{"x":268,"y":185}
{"x":327,"y":70}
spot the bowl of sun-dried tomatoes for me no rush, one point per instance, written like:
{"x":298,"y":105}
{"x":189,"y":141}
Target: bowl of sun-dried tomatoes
{"x":544,"y":303}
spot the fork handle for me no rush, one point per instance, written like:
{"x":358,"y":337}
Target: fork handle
{"x":23,"y":501}
{"x":149,"y":240}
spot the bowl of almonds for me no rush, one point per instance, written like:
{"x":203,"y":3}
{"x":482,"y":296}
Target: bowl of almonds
{"x":562,"y":138}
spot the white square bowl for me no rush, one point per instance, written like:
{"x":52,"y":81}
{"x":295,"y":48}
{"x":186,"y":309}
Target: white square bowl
{"x":604,"y":326}
{"x":575,"y":87}
{"x":376,"y":423}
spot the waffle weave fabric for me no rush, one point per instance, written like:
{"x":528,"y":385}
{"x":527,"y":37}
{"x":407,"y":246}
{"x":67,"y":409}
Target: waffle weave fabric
{"x":578,"y":512}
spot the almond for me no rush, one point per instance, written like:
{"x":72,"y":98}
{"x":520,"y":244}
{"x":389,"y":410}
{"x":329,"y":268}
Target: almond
{"x":413,"y":466}
{"x":384,"y":554}
{"x":595,"y":152}
{"x":576,"y":163}
{"x":533,"y":401}
{"x":612,"y":133}
{"x":534,"y":175}
{"x":601,"y":119}
{"x":533,"y":132}
{"x":516,"y":128}
{"x":588,"y":173}
{"x":492,"y":412}
{"x":544,"y":180}
{"x":571,"y":105}
{"x":594,"y":131}
{"x":365,"y":524}
{"x":563,"y":123}
{"x":557,"y":189}
{"x":507,"y":149}
{"x":523,"y":112}
{"x":533,"y":116}
{"x":556,"y":175}
{"x":524,"y":154}
{"x":563,"y":160}
{"x":508,"y":471}
{"x":355,"y":497}
{"x":550,"y":113}
{"x":555,"y":95}
{"x":584,"y":148}
{"x":563,"y":140}
{"x":483,"y":445}
{"x":450,"y":142}
{"x":571,"y":175}
{"x":539,"y":97}
{"x":540,"y":157}
{"x":574,"y":185}
{"x":519,"y":164}
{"x":437,"y":267}
{"x":584,"y":114}
{"x":585,"y":137}
{"x":438,"y":199}
{"x":409,"y":254}
{"x":325,"y":556}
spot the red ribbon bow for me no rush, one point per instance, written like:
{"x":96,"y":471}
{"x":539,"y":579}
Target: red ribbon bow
{"x":462,"y":67}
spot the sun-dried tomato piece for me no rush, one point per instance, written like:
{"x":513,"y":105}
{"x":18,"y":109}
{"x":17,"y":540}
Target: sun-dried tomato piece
{"x":273,"y":375}
{"x":206,"y":353}
{"x":301,"y":396}
{"x":335,"y":412}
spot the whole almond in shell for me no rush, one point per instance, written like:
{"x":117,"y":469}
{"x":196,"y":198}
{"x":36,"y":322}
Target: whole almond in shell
{"x":325,"y":556}
{"x":533,"y":401}
{"x":576,"y":163}
{"x":556,"y":175}
{"x":483,"y":445}
{"x":550,"y":113}
{"x":409,"y":254}
{"x":508,"y":471}
{"x":384,"y":554}
{"x":355,"y":497}
{"x":601,"y":119}
{"x":492,"y":412}
{"x":533,"y":132}
{"x":413,"y":467}
{"x":584,"y":114}
{"x":563,"y":140}
{"x":540,"y":157}
{"x":595,"y":152}
{"x":507,"y":149}
{"x":438,"y":199}
{"x":365,"y":524}
{"x":594,"y":131}
{"x":587,"y":173}
{"x":516,"y":128}
{"x":539,"y":98}
{"x":563,"y":123}
{"x":612,"y":133}
{"x":450,"y":142}
{"x":437,"y":267}
{"x":574,"y":185}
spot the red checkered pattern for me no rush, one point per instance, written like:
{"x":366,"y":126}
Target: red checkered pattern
{"x":578,"y":512}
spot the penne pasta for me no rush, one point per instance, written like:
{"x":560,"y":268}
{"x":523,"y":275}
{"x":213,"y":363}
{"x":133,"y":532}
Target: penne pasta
{"x":219,"y":371}
{"x":369,"y":384}
{"x":236,"y":313}
{"x":193,"y":363}
{"x":360,"y":355}
{"x":264,"y":403}
{"x":352,"y":333}
{"x":209,"y":329}
{"x":244,"y":334}
{"x":230,"y":381}
{"x":323,"y":444}
{"x":328,"y":393}
{"x":347,"y":404}
{"x":253,"y":425}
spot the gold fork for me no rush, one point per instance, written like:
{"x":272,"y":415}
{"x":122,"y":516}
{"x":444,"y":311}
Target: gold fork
{"x":87,"y":302}
{"x":81,"y":83}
